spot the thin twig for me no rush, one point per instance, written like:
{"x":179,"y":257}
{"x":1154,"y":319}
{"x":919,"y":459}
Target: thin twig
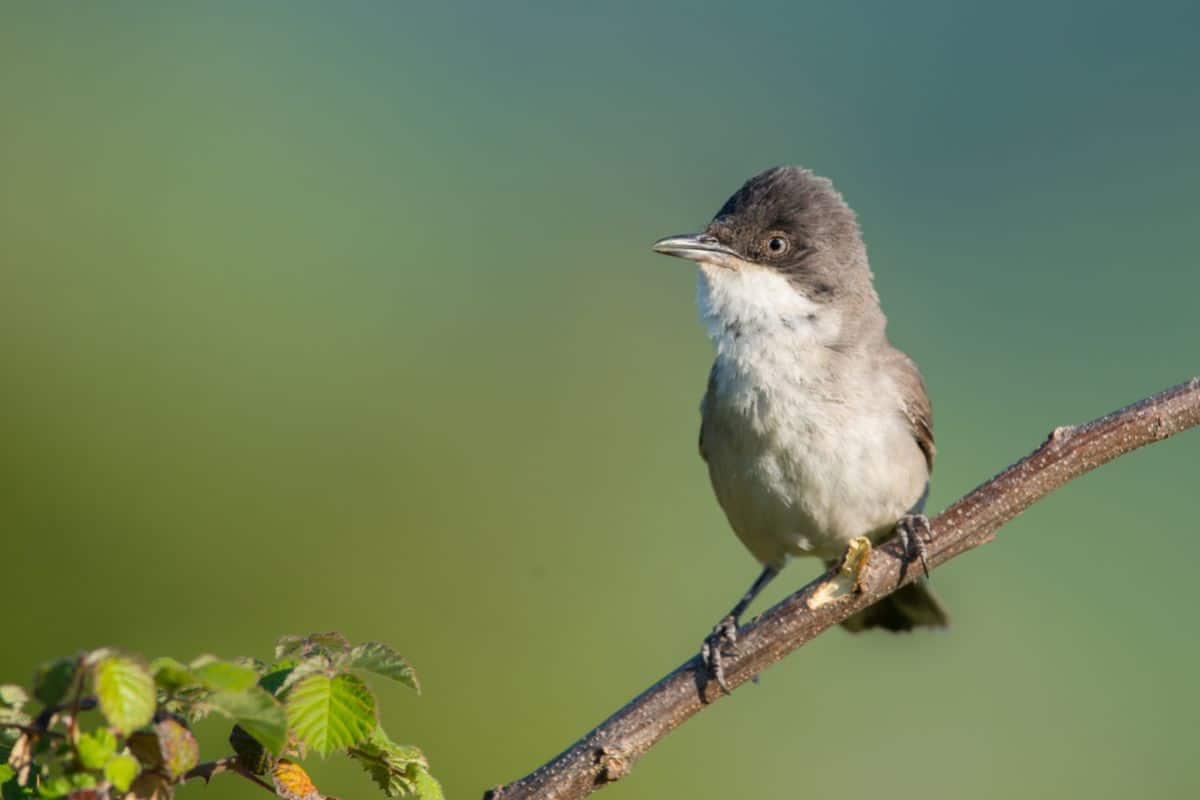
{"x":207,"y":770}
{"x":250,"y":776}
{"x":45,"y":717}
{"x":607,"y":753}
{"x":32,"y":730}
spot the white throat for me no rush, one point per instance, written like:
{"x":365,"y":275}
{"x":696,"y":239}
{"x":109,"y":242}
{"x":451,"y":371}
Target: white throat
{"x":754,"y":309}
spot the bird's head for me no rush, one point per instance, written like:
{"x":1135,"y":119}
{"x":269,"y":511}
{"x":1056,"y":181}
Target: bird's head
{"x":786,"y":220}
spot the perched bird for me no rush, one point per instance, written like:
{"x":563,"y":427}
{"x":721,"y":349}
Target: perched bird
{"x":816,"y":430}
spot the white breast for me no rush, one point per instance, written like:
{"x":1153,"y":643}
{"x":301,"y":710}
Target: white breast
{"x":804,"y":451}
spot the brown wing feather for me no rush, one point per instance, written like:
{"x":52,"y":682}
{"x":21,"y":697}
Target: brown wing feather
{"x":915,"y":405}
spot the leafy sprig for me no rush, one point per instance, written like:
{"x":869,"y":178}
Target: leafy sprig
{"x":310,"y":699}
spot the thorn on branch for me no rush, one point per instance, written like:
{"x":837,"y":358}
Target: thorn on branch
{"x":1062,"y":433}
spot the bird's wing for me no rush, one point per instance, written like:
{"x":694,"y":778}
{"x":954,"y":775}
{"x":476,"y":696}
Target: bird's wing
{"x":915,"y":404}
{"x":708,"y":391}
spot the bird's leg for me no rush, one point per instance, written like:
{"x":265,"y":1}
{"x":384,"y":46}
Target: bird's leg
{"x":913,"y":530}
{"x":847,"y":575}
{"x":723,"y":639}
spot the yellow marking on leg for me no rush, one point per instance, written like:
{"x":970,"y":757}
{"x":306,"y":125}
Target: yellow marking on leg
{"x":848,"y":578}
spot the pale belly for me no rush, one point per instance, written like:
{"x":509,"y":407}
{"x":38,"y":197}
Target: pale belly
{"x":798,"y":475}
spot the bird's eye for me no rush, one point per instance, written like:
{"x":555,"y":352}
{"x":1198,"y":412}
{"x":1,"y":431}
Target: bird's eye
{"x":777,"y":245}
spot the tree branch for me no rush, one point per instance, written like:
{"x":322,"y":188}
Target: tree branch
{"x":607,"y":753}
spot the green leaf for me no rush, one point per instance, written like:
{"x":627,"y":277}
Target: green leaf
{"x":56,"y":786}
{"x":96,"y":748}
{"x":8,"y":739}
{"x":225,"y":676}
{"x":10,"y":709}
{"x":52,"y":680}
{"x":121,"y":771}
{"x":427,"y":787}
{"x":315,"y":643}
{"x":250,"y":752}
{"x":13,"y":696}
{"x":381,"y":660}
{"x":125,"y":690}
{"x":308,"y":666}
{"x":82,"y":780}
{"x":331,"y":713}
{"x":258,"y":712}
{"x":390,"y":765}
{"x":332,"y":641}
{"x":277,"y":674}
{"x":177,"y":747}
{"x":172,"y":675}
{"x":145,"y":748}
{"x":251,"y":663}
{"x":288,"y":645}
{"x":9,"y":788}
{"x":6,"y":772}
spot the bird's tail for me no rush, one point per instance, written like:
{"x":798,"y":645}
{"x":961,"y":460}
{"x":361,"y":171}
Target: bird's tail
{"x":912,"y":606}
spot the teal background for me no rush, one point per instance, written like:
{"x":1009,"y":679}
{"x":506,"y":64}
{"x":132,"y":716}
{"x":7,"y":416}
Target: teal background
{"x":343,"y":316}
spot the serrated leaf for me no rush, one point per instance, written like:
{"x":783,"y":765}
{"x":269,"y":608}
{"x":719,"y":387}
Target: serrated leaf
{"x":331,"y":713}
{"x":389,"y":764}
{"x":53,"y":679}
{"x":172,"y":675}
{"x":427,"y":787}
{"x":288,"y":645}
{"x":96,"y":748}
{"x":381,"y":660}
{"x":125,"y":691}
{"x":250,"y":662}
{"x":258,"y":712}
{"x":225,"y":676}
{"x":177,"y":747}
{"x":292,"y":782}
{"x":332,"y":641}
{"x":302,"y":670}
{"x":121,"y":771}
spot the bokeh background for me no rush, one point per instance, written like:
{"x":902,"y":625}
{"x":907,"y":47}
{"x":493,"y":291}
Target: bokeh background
{"x":342,"y":316}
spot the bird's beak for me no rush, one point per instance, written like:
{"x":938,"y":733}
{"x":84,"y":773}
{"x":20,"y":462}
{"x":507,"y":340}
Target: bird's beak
{"x":699,"y":247}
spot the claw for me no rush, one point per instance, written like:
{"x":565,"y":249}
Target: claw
{"x":720,"y":643}
{"x":913,"y":530}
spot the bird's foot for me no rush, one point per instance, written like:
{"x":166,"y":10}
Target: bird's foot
{"x":914,"y":530}
{"x":722,"y":642}
{"x":848,"y":577}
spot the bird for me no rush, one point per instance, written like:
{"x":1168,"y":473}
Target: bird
{"x":816,"y":430}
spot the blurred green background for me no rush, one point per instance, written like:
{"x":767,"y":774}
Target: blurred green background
{"x":342,"y":316}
